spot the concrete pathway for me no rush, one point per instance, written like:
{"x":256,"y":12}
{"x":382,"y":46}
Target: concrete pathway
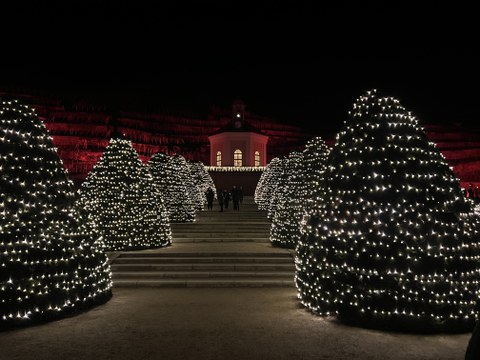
{"x":220,"y":323}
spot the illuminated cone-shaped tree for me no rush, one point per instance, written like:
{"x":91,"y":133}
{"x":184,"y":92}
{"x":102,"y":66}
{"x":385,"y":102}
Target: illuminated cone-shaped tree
{"x":300,"y":194}
{"x":281,"y":180}
{"x":155,"y":221}
{"x":122,"y":201}
{"x":257,"y":195}
{"x":93,"y":269}
{"x":202,"y":181}
{"x":392,"y":246}
{"x":50,"y":261}
{"x":196,"y":182}
{"x":310,"y":200}
{"x":315,"y":158}
{"x":170,"y":176}
{"x":286,"y":217}
{"x":194,"y":188}
{"x":267,"y":183}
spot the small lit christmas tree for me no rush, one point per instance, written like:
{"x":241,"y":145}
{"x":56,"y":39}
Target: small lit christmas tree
{"x":51,"y":262}
{"x":192,"y":200}
{"x":202,"y":181}
{"x":122,"y":201}
{"x":315,"y":158}
{"x":311,"y":199}
{"x":155,"y":221}
{"x":286,"y":215}
{"x":300,"y":193}
{"x":170,"y":176}
{"x":392,"y":245}
{"x":279,"y":186}
{"x":266,"y":186}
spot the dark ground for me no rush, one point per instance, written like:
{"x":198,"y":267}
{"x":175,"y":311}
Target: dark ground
{"x":263,"y":323}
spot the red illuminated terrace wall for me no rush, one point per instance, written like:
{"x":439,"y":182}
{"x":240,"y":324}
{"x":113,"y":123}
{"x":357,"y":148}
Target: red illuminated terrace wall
{"x":81,"y":133}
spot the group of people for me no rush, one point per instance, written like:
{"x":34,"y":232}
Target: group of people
{"x":224,"y":197}
{"x":472,"y":193}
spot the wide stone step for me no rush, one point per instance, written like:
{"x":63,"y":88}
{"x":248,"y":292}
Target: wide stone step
{"x":204,"y":283}
{"x":225,"y":212}
{"x":198,"y":254}
{"x":224,"y":220}
{"x":205,"y":259}
{"x":181,"y":240}
{"x":202,"y":266}
{"x":220,"y":228}
{"x":214,"y":224}
{"x":229,"y":234}
{"x":227,"y":218}
{"x":123,"y":275}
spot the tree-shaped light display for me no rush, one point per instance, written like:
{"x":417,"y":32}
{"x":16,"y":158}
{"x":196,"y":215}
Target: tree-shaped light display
{"x":392,"y":246}
{"x":315,"y":158}
{"x":267,"y":183}
{"x":155,"y":221}
{"x":202,"y":181}
{"x":280,"y":185}
{"x":310,"y":198}
{"x":50,"y":262}
{"x":286,"y":215}
{"x":122,"y":201}
{"x":170,"y":175}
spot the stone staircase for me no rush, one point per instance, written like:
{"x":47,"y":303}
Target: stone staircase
{"x":220,"y":249}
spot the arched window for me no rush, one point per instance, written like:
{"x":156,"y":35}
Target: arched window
{"x":257,"y":158}
{"x":219,"y":158}
{"x":237,"y":158}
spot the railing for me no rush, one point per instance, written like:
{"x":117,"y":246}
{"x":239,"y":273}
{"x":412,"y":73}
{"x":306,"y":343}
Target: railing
{"x":235,"y":168}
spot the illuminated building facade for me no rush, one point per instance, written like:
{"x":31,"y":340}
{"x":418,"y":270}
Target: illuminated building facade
{"x":238,"y":144}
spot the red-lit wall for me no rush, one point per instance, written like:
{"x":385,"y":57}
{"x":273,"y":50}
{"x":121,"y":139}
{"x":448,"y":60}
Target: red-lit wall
{"x":81,"y":133}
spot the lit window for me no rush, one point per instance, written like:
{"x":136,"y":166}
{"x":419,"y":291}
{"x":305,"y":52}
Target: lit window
{"x":237,"y":158}
{"x":219,"y":158}
{"x":257,"y":158}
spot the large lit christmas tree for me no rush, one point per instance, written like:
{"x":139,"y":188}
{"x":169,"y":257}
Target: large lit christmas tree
{"x":170,"y":174}
{"x":286,"y":215}
{"x":265,"y":188}
{"x":394,"y":244}
{"x":51,"y":262}
{"x":122,"y":201}
{"x":202,"y":181}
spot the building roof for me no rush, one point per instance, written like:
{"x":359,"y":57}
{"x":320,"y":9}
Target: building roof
{"x":244,"y":127}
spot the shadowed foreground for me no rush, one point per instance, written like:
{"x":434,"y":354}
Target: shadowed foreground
{"x":252,"y":323}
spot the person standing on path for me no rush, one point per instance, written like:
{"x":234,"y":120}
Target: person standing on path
{"x":226,"y":198}
{"x":235,"y":198}
{"x":210,"y":195}
{"x":240,"y":194}
{"x":220,"y":199}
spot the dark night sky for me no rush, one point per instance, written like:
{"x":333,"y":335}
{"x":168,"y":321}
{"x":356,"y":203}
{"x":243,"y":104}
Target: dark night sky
{"x":294,"y":60}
